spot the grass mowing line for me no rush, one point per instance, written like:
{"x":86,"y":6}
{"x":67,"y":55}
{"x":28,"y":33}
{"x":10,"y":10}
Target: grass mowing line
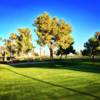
{"x":60,"y":86}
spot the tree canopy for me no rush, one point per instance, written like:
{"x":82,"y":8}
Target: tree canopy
{"x":53,"y":32}
{"x":24,"y":40}
{"x":92,"y":47}
{"x":66,"y":51}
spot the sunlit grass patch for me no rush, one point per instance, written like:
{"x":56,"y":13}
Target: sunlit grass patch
{"x":59,"y":82}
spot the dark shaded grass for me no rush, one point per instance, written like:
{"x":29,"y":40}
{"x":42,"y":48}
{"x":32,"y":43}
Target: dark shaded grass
{"x":78,"y":65}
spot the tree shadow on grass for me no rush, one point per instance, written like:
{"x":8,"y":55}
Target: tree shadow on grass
{"x":68,"y":65}
{"x":82,"y":67}
{"x":53,"y":84}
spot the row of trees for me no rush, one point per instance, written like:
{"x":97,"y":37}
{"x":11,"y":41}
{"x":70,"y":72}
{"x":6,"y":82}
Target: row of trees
{"x":51,"y":31}
{"x":56,"y":33}
{"x":17,"y":44}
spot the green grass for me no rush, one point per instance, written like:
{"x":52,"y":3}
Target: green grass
{"x":72,"y":80}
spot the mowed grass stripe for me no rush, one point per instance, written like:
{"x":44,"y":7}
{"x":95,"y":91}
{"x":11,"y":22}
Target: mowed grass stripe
{"x":25,"y":83}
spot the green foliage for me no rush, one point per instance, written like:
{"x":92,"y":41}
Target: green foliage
{"x":92,"y":47}
{"x":53,"y":32}
{"x":24,"y":40}
{"x":39,"y":42}
{"x":66,"y":51}
{"x":18,"y":44}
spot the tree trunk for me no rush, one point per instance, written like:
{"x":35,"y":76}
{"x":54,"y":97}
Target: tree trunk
{"x":11,"y":55}
{"x":40,"y":52}
{"x":61,"y":56}
{"x":51,"y":53}
{"x":44,"y":53}
{"x":92,"y":57}
{"x":4,"y":56}
{"x":65,"y":56}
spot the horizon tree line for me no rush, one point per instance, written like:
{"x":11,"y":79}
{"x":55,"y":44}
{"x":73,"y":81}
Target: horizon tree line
{"x":52,"y":32}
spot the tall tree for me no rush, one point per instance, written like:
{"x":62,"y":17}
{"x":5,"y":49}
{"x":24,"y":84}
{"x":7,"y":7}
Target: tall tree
{"x":4,"y":49}
{"x":24,"y":40}
{"x":53,"y":32}
{"x":92,"y":47}
{"x":12,"y":40}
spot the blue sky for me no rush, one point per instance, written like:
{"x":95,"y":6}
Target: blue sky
{"x":82,"y":15}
